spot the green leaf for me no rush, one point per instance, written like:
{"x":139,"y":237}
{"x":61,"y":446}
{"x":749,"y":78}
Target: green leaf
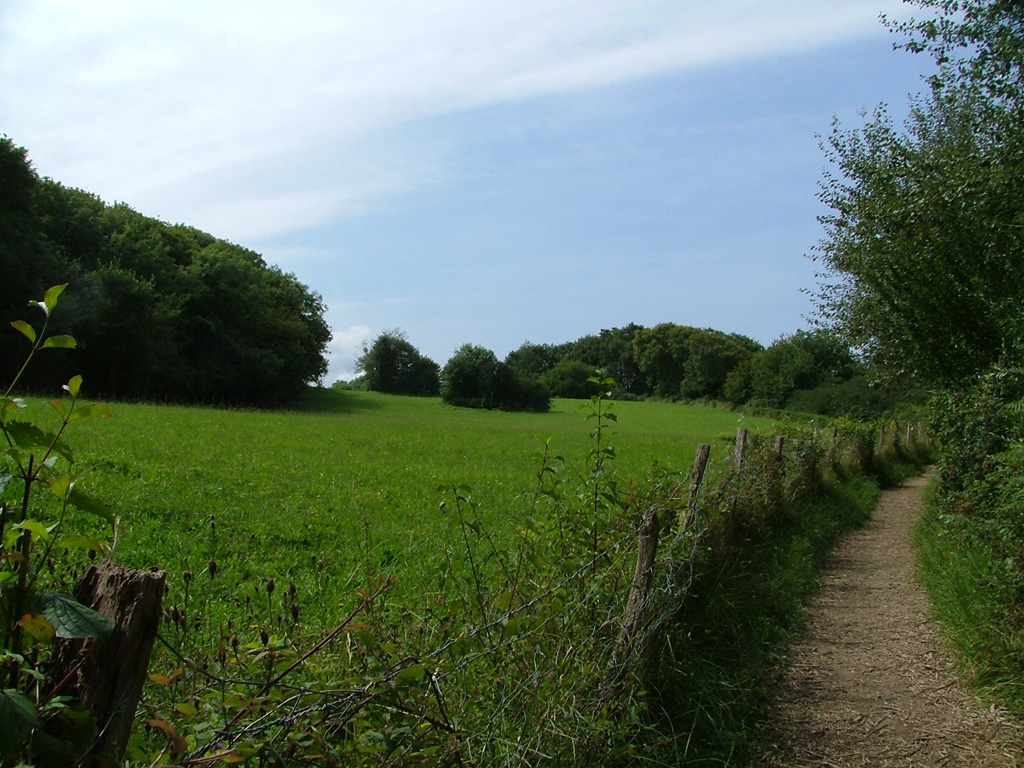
{"x":38,"y":627}
{"x":416,"y":673}
{"x":62,"y":341}
{"x":29,"y":437}
{"x":70,"y":618}
{"x":90,"y":412}
{"x":61,"y":487}
{"x":74,"y":384}
{"x":16,"y":712}
{"x":91,"y":506}
{"x":26,"y":329}
{"x":60,"y":407}
{"x":37,"y":529}
{"x":51,"y":296}
{"x":77,"y":541}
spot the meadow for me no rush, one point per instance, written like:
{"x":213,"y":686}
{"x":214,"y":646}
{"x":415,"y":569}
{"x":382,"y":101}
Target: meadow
{"x":349,"y":482}
{"x":447,"y":586}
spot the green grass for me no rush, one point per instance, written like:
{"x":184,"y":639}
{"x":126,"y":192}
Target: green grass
{"x":978,"y":609}
{"x":346,"y":485}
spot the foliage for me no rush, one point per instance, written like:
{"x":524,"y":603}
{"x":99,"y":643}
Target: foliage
{"x":973,"y":537}
{"x":923,"y":245}
{"x":393,"y":365}
{"x":569,"y":378}
{"x":38,"y":494}
{"x":502,"y":643}
{"x":159,"y":311}
{"x":692,"y":362}
{"x":475,"y":378}
{"x":610,"y":351}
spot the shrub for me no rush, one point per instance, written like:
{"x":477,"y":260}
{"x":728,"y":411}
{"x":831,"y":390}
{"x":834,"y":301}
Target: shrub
{"x":475,"y":378}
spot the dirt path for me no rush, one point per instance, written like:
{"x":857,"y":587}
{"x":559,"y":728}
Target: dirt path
{"x":870,"y":684}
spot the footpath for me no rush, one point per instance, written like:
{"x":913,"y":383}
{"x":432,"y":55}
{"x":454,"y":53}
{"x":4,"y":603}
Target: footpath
{"x":871,"y":683}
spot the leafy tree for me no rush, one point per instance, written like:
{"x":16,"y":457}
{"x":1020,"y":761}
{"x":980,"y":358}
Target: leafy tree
{"x":159,"y":311}
{"x":711,"y":357}
{"x":475,"y":378}
{"x":612,"y":351}
{"x":27,"y":266}
{"x":570,"y":378}
{"x":660,"y":354}
{"x":924,"y":243}
{"x":531,"y":360}
{"x":778,"y":372}
{"x":393,"y":365}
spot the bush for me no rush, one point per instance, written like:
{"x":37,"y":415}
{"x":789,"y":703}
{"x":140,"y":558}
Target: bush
{"x":475,"y":378}
{"x":569,"y":378}
{"x":395,"y":366}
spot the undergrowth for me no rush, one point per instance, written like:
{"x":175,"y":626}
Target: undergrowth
{"x":971,"y":541}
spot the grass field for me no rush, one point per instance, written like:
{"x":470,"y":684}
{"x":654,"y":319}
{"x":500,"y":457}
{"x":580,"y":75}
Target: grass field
{"x":306,"y":511}
{"x":348,"y":483}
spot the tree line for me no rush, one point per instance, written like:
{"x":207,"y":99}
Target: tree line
{"x":807,"y":371}
{"x":160,"y":311}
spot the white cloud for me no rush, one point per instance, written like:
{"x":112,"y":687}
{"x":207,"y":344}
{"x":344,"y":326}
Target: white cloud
{"x":254,"y":118}
{"x":346,"y":345}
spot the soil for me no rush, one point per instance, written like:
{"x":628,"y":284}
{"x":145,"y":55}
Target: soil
{"x":871,"y":683}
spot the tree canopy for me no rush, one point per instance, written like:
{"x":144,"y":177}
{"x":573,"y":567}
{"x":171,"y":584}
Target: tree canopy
{"x":923,"y":248}
{"x":393,"y":365}
{"x":160,"y":311}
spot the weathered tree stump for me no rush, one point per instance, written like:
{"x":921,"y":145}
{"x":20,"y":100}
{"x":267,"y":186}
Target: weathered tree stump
{"x":107,"y":677}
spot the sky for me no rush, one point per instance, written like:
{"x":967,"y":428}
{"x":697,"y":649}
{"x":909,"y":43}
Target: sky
{"x":470,"y":171}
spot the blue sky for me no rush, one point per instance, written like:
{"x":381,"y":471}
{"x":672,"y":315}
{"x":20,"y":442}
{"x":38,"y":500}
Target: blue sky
{"x":469,"y":171}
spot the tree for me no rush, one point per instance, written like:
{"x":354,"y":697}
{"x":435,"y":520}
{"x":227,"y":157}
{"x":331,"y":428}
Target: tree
{"x":159,"y":311}
{"x":661,"y":353}
{"x":570,"y":378}
{"x":612,"y":352}
{"x":531,"y":360}
{"x":925,"y":245}
{"x":474,"y":378}
{"x":393,"y":365}
{"x":778,"y":372}
{"x":711,"y":356}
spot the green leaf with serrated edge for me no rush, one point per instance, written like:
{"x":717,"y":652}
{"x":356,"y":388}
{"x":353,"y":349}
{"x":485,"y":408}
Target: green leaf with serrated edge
{"x":90,"y":412}
{"x":70,"y":618}
{"x":74,"y":384}
{"x":16,"y":712}
{"x":27,"y":330}
{"x":31,"y":439}
{"x":51,"y":296}
{"x":91,"y":506}
{"x":62,"y":341}
{"x":60,"y":407}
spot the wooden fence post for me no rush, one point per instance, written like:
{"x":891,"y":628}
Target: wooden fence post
{"x":741,"y":446}
{"x":647,"y":548}
{"x":107,"y":677}
{"x":700,"y":466}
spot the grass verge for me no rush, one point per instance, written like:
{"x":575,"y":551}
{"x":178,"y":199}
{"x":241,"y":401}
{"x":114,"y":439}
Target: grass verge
{"x":716,"y":673}
{"x":976,"y":606}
